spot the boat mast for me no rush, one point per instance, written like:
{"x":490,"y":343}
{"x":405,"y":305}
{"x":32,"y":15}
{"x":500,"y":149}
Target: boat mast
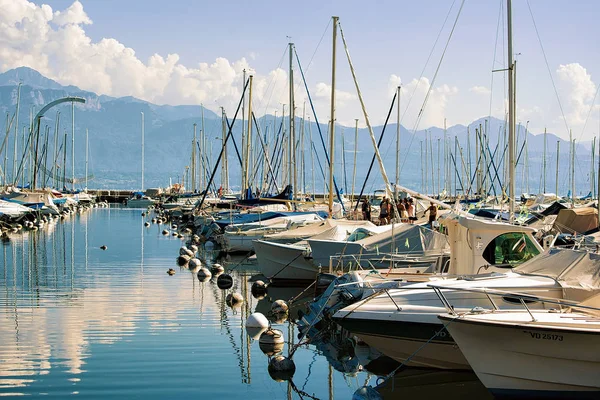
{"x":511,"y":115}
{"x":225,"y":165}
{"x":72,"y":146}
{"x":193,"y":186}
{"x":573,"y":174}
{"x":355,"y":152}
{"x":87,"y":148}
{"x":397,"y":143}
{"x":16,"y":134}
{"x":332,"y":119}
{"x":292,"y":137}
{"x":248,"y":136}
{"x":544,"y":159}
{"x":557,"y":160}
{"x":142,"y":150}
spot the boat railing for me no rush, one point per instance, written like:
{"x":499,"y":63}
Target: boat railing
{"x":522,"y":298}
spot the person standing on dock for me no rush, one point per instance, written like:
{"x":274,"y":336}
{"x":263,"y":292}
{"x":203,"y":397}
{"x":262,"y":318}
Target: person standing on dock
{"x":366,"y":209}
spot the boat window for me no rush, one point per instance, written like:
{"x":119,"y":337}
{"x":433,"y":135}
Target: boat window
{"x":358,"y":235}
{"x":510,"y":249}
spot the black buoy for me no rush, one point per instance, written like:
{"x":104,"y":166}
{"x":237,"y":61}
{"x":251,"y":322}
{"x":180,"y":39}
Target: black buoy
{"x":225,"y":281}
{"x":259,"y":290}
{"x":366,"y":393}
{"x":171,"y":271}
{"x":281,"y":368}
{"x":103,"y":247}
{"x":183,"y":260}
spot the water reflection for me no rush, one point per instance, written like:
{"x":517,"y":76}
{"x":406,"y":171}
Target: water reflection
{"x":77,"y":319}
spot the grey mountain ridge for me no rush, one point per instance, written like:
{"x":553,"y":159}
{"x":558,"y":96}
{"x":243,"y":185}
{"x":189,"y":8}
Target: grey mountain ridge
{"x":115,"y":141}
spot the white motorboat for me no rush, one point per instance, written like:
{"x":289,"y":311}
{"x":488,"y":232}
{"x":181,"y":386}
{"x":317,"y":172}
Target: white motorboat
{"x":398,"y":321}
{"x":240,"y":237}
{"x":139,"y":200}
{"x":531,"y":352}
{"x":293,"y":261}
{"x":13,"y":210}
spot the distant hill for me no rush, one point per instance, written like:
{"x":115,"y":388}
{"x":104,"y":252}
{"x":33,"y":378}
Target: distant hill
{"x":114,"y":126}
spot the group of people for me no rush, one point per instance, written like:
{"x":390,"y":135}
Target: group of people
{"x":405,"y":209}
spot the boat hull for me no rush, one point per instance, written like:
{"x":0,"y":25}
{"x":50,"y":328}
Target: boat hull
{"x":531,"y":362}
{"x":284,"y":262}
{"x":410,"y":343}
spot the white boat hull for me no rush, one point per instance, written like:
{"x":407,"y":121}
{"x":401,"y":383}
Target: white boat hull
{"x":284,"y":262}
{"x":517,"y":360}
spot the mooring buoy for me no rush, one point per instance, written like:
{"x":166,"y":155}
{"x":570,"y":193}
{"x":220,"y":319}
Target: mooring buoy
{"x":259,"y":290}
{"x":234,"y":300}
{"x":281,"y":368}
{"x":225,"y":281}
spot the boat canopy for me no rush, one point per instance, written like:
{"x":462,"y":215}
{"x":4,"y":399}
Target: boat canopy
{"x":578,"y":272}
{"x":406,"y":238}
{"x":576,"y":220}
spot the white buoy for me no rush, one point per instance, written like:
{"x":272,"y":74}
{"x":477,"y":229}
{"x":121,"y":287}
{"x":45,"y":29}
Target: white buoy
{"x":204,"y":274}
{"x":257,"y":320}
{"x":234,"y":300}
{"x":194,"y":262}
{"x":225,"y":281}
{"x":366,"y":393}
{"x":259,"y":290}
{"x":279,"y":307}
{"x":281,"y":368}
{"x":255,"y":332}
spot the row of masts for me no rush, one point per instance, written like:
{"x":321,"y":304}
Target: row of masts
{"x":37,"y":160}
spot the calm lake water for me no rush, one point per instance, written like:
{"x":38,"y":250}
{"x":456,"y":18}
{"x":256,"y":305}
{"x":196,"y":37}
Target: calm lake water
{"x":79,"y":321}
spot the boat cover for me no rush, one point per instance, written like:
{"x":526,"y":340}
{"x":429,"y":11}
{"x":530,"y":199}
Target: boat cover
{"x":577,"y":271}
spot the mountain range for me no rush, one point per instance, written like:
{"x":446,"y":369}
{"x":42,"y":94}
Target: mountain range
{"x":114,"y":126}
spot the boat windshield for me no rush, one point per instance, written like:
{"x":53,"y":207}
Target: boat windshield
{"x":511,"y":249}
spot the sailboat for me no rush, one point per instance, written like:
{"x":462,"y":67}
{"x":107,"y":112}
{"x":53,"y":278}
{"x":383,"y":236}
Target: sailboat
{"x":139,"y":199}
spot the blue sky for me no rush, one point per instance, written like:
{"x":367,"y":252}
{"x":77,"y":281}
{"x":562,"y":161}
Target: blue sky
{"x":389,"y":42}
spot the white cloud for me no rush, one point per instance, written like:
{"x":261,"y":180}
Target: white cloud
{"x":480,"y":90}
{"x":72,"y":15}
{"x":412,"y":98}
{"x":56,"y":44}
{"x":577,"y":84}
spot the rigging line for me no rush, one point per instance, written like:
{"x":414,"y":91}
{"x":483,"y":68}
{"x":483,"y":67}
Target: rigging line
{"x":412,"y":95}
{"x":273,"y":89}
{"x":548,"y":66}
{"x":420,"y":115}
